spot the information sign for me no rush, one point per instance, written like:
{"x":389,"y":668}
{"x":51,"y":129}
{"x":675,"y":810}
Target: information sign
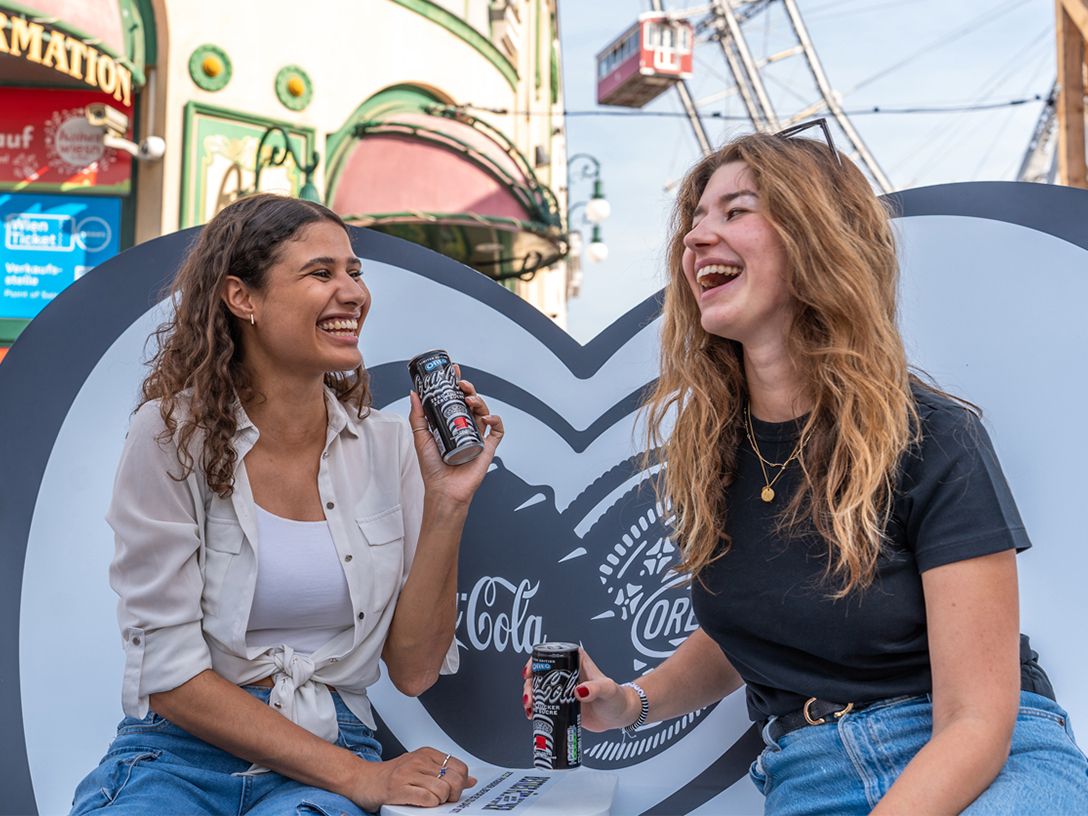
{"x":49,"y":242}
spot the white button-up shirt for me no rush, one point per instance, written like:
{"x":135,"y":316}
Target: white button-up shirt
{"x":186,"y":565}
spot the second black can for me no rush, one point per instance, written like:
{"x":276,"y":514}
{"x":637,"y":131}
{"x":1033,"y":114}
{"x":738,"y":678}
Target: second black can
{"x":557,"y":714}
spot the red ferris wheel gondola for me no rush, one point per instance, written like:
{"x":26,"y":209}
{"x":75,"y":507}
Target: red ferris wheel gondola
{"x":647,"y":59}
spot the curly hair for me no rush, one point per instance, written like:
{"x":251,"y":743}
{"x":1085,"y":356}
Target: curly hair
{"x":842,"y":279}
{"x":198,"y":366}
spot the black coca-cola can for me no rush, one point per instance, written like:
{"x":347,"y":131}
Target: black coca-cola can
{"x":450,"y":420}
{"x":557,"y":714}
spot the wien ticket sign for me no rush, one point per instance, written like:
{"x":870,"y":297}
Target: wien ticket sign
{"x":49,"y":242}
{"x":47,"y":144}
{"x":565,"y":540}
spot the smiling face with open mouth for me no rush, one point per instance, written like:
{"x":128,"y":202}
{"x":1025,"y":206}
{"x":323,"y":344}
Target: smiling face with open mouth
{"x":735,"y":262}
{"x":314,"y":302}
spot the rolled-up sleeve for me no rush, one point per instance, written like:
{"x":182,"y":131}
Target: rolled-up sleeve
{"x":156,"y":569}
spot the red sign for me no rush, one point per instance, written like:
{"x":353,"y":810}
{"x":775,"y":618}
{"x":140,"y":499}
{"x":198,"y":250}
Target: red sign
{"x":47,"y":144}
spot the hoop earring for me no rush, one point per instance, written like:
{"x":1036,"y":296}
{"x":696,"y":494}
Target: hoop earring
{"x":252,"y":322}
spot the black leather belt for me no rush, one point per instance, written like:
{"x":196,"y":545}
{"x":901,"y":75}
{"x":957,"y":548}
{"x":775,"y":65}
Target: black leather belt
{"x":814,"y":712}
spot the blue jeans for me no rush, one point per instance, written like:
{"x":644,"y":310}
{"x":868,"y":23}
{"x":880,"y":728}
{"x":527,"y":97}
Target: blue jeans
{"x":153,"y":766}
{"x":845,"y":767}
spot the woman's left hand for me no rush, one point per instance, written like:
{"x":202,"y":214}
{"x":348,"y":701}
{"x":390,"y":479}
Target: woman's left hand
{"x":456,"y":483}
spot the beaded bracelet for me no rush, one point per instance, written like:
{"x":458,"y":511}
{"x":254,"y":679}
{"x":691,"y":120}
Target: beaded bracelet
{"x":643,"y":714}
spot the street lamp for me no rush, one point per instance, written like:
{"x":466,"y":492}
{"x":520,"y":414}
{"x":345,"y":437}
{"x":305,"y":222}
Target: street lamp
{"x":597,"y":209}
{"x":279,"y":156}
{"x":597,"y":250}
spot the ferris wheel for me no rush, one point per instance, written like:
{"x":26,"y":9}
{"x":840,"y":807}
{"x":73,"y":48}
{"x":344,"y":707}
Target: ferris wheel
{"x":729,"y":58}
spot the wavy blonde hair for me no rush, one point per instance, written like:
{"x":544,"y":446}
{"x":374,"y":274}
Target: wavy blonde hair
{"x":198,"y":362}
{"x":842,"y":278}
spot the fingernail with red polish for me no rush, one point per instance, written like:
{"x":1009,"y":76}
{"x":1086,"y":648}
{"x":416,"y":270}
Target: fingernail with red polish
{"x":582,"y":691}
{"x":525,"y":700}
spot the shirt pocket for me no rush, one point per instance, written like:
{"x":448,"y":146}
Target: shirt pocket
{"x":384,"y":535}
{"x":222,"y":542}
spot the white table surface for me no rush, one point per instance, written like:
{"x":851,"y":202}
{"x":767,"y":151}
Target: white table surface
{"x":580,"y":792}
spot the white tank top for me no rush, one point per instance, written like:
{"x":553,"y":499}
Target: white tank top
{"x":301,"y":599}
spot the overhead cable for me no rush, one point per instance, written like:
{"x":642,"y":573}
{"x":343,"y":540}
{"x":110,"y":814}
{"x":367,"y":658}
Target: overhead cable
{"x":935,"y":143}
{"x":970,"y":27}
{"x":814,"y":16}
{"x":876,"y":109}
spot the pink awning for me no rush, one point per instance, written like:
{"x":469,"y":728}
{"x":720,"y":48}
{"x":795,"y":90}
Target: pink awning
{"x":394,"y":170}
{"x":390,"y":173}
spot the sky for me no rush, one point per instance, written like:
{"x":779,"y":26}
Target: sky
{"x":891,"y":54}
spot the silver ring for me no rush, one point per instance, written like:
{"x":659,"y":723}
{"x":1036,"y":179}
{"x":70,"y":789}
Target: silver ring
{"x":418,"y":430}
{"x":442,"y":770}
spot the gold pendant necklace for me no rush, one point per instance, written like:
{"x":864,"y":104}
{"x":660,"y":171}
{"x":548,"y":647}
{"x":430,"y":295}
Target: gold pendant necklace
{"x":767,"y":493}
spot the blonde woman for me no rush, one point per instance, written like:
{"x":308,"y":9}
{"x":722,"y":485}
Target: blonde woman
{"x":275,"y":537}
{"x":849,"y":534}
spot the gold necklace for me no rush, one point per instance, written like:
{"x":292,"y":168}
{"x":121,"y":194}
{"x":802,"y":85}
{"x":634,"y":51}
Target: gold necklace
{"x":767,"y":493}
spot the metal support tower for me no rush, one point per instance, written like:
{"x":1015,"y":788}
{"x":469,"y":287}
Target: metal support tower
{"x":1039,"y":163}
{"x":745,"y":72}
{"x":689,"y":106}
{"x":722,"y":21}
{"x":831,"y":99}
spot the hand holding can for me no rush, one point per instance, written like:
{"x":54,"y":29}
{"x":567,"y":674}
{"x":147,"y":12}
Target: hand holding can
{"x":451,"y":422}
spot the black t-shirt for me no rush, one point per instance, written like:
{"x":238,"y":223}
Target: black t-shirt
{"x":766,"y":601}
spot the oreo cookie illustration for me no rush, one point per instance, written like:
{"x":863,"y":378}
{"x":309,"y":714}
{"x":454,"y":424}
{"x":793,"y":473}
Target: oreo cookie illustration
{"x":599,"y":574}
{"x":645,"y":613}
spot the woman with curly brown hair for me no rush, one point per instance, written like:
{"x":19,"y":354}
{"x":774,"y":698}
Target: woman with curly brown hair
{"x":849,"y":534}
{"x":275,"y":538}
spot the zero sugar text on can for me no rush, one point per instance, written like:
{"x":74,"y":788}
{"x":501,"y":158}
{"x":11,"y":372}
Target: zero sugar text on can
{"x":451,"y":422}
{"x":557,"y":714}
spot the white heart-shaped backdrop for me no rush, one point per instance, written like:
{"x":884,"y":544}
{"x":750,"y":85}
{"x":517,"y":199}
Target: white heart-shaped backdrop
{"x":565,"y":541}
